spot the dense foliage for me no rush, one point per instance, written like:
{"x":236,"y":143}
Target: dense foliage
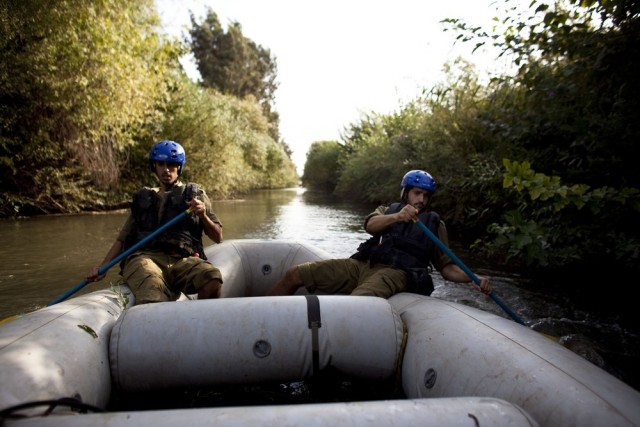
{"x":227,"y":141}
{"x":87,"y":87}
{"x":319,"y":171}
{"x":538,"y":165}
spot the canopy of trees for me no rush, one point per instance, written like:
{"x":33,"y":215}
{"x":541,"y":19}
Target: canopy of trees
{"x":87,"y":87}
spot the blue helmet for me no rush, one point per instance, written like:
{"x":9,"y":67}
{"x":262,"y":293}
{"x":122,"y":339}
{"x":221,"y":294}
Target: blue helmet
{"x":420,"y":179}
{"x":167,"y":151}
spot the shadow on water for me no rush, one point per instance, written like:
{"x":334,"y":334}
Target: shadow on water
{"x":43,"y":257}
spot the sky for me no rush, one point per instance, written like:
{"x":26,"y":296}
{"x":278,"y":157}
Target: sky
{"x":341,"y":59}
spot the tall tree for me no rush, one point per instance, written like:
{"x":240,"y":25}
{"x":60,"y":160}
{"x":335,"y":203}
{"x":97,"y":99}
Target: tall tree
{"x":235,"y":65}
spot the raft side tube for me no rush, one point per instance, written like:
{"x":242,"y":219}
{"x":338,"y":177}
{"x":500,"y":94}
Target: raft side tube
{"x":450,"y":412}
{"x":61,"y":351}
{"x":253,"y":340}
{"x":251,"y":267}
{"x":488,"y":355}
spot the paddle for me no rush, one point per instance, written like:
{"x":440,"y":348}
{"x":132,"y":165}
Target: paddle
{"x":466,"y":269}
{"x":123,"y":255}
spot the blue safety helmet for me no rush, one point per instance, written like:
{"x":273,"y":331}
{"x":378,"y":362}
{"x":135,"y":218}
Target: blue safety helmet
{"x":420,"y":179}
{"x":167,"y":151}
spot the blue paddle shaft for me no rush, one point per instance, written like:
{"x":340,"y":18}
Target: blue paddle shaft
{"x":466,"y":269}
{"x":102,"y":270}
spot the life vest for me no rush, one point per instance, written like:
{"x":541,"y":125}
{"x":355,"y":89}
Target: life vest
{"x":406,"y":246}
{"x":183,"y":238}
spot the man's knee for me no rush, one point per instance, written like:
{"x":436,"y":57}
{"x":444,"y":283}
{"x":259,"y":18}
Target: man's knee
{"x":211,"y":289}
{"x":289,"y":283}
{"x":148,"y":289}
{"x":293,"y":275}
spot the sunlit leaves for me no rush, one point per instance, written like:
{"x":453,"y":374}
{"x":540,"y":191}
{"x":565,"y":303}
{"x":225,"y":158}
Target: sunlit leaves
{"x":85,"y":78}
{"x":229,"y":150}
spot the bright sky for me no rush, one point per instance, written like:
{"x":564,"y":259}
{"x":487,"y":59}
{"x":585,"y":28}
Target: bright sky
{"x":340,"y":59}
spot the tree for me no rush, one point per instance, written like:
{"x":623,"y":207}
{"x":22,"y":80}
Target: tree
{"x":235,"y":65}
{"x":321,"y":167}
{"x":227,"y":141}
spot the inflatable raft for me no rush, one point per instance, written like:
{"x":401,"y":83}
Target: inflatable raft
{"x":91,"y":359}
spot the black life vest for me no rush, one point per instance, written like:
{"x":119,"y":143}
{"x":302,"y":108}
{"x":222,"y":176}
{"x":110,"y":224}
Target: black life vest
{"x":183,"y":238}
{"x":406,"y":246}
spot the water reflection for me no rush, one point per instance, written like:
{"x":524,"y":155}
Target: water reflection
{"x":295,"y":214}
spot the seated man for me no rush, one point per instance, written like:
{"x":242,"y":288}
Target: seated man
{"x":397,"y":258}
{"x":174,"y":261}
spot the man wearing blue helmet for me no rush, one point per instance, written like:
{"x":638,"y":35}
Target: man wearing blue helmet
{"x":173,"y":262}
{"x":397,"y":257}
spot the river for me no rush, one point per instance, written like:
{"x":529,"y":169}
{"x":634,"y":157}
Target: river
{"x":43,"y":257}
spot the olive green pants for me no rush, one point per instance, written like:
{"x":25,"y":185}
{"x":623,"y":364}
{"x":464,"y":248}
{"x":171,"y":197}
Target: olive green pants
{"x":156,"y":277}
{"x":350,"y":276}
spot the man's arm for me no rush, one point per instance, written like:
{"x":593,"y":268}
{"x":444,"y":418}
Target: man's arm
{"x":212,"y":229}
{"x":454,"y":273}
{"x":114,"y":251}
{"x":378,"y":223}
{"x":449,"y":270}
